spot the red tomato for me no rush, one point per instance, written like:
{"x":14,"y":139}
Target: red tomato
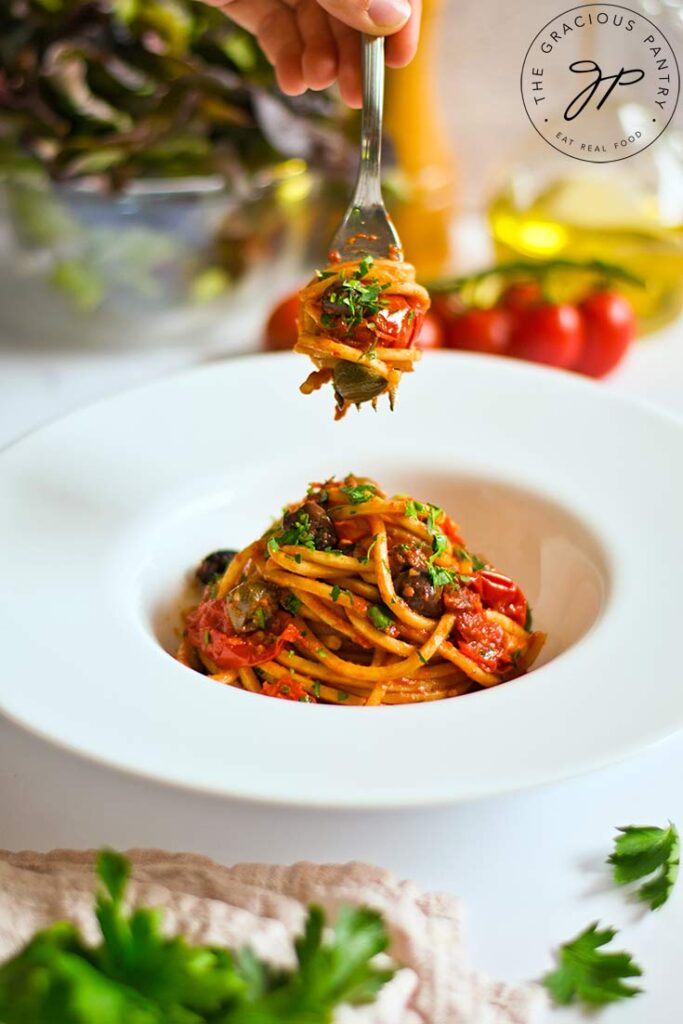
{"x":431,"y":333}
{"x":551,"y":334}
{"x":501,"y":594}
{"x":287,"y":688}
{"x":395,"y":325}
{"x":610,"y":326}
{"x":209,"y":628}
{"x":475,"y":636}
{"x":281,"y":329}
{"x":521,"y":295}
{"x":480,"y":330}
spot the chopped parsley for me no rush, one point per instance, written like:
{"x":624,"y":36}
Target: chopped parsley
{"x":477,"y":563}
{"x":380,"y":618}
{"x":260,"y":618}
{"x":422,"y":657}
{"x":528,"y":619}
{"x":366,"y":557}
{"x":336,"y":592}
{"x":341,"y":696}
{"x":360,"y":299}
{"x":316,"y":688}
{"x":292,"y":603}
{"x":272,"y":545}
{"x":207,"y":637}
{"x":360,"y":493}
{"x":440,"y":576}
{"x":322,"y":275}
{"x":299,"y":533}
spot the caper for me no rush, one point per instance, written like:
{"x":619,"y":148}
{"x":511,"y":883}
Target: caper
{"x":357,"y":383}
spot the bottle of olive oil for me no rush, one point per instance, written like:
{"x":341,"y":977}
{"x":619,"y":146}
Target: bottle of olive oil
{"x":629,"y":212}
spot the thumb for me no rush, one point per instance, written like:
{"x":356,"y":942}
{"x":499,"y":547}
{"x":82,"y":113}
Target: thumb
{"x":376,"y":17}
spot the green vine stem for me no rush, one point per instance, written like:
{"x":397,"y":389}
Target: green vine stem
{"x":535,"y":271}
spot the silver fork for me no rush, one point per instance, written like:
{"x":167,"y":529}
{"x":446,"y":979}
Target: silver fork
{"x":366,"y":228}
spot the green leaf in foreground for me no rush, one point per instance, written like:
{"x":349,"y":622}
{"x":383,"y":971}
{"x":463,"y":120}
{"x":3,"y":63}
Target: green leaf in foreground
{"x":138,"y":976}
{"x":587,"y":974}
{"x":646,"y":850}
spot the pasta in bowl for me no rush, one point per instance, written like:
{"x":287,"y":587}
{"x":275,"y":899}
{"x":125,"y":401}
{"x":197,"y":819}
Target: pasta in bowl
{"x":354,"y":597}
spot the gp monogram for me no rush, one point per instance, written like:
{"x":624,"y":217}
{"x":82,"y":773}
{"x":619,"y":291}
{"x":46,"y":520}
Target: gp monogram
{"x":600,"y":82}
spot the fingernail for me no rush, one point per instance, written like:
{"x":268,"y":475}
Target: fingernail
{"x":389,"y":13}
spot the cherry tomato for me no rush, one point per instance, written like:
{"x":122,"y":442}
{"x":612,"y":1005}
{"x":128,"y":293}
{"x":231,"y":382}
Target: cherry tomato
{"x":431,"y":333}
{"x":395,"y":325}
{"x":287,"y":688}
{"x":480,"y":330}
{"x":551,"y":334}
{"x":501,"y":594}
{"x":209,"y":628}
{"x":610,"y":327}
{"x":521,"y":295}
{"x":281,"y":329}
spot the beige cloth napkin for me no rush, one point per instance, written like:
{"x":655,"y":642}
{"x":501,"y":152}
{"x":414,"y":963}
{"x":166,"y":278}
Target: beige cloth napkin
{"x":263,"y":905}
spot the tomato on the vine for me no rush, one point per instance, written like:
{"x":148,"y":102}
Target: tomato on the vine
{"x":610,"y":327}
{"x":480,"y":330}
{"x":549,"y":333}
{"x":521,"y":295}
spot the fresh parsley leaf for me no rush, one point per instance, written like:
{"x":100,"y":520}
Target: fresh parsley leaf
{"x":260,"y":618}
{"x":342,"y":696}
{"x":360,"y":493}
{"x":292,"y":603}
{"x":528,"y":619}
{"x":587,"y":974}
{"x":138,"y":976}
{"x":477,"y":563}
{"x":322,"y":275}
{"x":316,"y":688}
{"x":379,"y":618}
{"x":646,"y":850}
{"x":336,"y":592}
{"x":272,"y":545}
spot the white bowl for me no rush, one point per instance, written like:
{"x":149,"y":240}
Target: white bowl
{"x":573,"y":491}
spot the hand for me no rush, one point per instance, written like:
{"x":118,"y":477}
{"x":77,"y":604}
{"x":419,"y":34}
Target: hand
{"x":312,"y":43}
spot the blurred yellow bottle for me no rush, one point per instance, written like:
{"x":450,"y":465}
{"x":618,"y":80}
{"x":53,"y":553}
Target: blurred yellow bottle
{"x":423,"y":200}
{"x":621,"y":215}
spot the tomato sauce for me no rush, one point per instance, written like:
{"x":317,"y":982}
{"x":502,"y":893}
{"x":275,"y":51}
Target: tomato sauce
{"x":209,"y":628}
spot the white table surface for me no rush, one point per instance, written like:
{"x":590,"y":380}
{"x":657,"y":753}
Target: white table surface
{"x":529,"y":868}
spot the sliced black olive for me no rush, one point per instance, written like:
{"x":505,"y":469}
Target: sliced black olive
{"x":332,"y":304}
{"x":418,"y":591}
{"x":251,"y":605}
{"x":214,"y":565}
{"x":357,"y":383}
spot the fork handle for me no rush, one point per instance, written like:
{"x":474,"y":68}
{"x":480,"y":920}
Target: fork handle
{"x":368,"y":190}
